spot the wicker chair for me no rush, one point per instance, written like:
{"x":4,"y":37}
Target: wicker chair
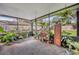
{"x":43,"y":36}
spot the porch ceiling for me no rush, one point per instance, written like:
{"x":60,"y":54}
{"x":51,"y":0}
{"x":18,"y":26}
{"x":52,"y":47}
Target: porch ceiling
{"x":29,"y":10}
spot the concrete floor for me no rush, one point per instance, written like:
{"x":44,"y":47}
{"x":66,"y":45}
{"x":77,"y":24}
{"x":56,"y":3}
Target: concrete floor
{"x":30,"y":46}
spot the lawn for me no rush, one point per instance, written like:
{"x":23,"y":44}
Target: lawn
{"x":70,"y":32}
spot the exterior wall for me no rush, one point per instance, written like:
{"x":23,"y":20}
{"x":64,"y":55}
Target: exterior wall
{"x":67,"y":27}
{"x":11,"y":26}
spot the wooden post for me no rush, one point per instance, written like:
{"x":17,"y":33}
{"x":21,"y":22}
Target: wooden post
{"x":32,"y":28}
{"x":36,"y":28}
{"x":49,"y":25}
{"x":78,"y":23}
{"x":57,"y":35}
{"x":17,"y":26}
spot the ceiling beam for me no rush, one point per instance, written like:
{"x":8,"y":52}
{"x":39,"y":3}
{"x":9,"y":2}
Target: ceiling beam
{"x":16,"y":17}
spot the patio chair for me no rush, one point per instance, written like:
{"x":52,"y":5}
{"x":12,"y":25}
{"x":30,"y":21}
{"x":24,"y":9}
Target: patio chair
{"x":43,"y":36}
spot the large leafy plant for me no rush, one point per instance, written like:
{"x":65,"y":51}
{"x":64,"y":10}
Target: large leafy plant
{"x":9,"y":37}
{"x":76,"y":51}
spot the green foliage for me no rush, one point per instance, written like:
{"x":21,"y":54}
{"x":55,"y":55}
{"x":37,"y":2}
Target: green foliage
{"x":8,"y":37}
{"x":76,"y":45}
{"x":1,"y":29}
{"x":71,"y":44}
{"x":70,"y":33}
{"x":43,"y":24}
{"x":76,"y":51}
{"x":51,"y":33}
{"x":65,"y":33}
{"x":23,"y":34}
{"x":1,"y":37}
{"x":65,"y":15}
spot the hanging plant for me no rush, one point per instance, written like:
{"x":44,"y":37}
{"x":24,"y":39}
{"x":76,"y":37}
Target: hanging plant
{"x":43,"y":24}
{"x":66,"y":14}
